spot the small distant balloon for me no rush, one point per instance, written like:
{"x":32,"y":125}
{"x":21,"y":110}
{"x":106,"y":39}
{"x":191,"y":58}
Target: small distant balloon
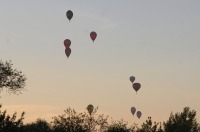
{"x":69,"y":14}
{"x":136,"y":86}
{"x":67,"y":43}
{"x":93,"y":35}
{"x":133,"y":110}
{"x":67,"y":52}
{"x":90,"y":108}
{"x":139,"y":114}
{"x":132,"y":79}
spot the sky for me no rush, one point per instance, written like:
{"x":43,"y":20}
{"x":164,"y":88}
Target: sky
{"x":155,"y":41}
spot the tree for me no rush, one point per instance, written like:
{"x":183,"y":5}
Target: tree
{"x":118,"y":126}
{"x":72,"y":121}
{"x":10,"y":123}
{"x":39,"y":125}
{"x":69,"y":121}
{"x":93,"y":121}
{"x":182,"y":122}
{"x":149,"y":126}
{"x":10,"y":78}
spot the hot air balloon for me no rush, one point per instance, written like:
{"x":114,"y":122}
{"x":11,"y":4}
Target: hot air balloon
{"x":93,"y":35}
{"x":67,"y":43}
{"x":136,"y":86}
{"x":133,"y":110}
{"x":67,"y":52}
{"x":139,"y":114}
{"x":90,"y":108}
{"x":132,"y":79}
{"x":69,"y":14}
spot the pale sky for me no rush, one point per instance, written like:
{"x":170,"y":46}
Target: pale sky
{"x":155,"y":41}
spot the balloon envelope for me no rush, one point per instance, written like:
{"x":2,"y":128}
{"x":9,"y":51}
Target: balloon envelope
{"x":69,"y":14}
{"x":139,"y":114}
{"x":93,"y":35}
{"x":67,"y":52}
{"x":133,"y":110}
{"x":67,"y":43}
{"x":136,"y":86}
{"x":132,"y":79}
{"x":90,"y":108}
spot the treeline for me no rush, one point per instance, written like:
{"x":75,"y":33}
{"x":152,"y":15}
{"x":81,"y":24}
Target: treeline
{"x":73,"y":121}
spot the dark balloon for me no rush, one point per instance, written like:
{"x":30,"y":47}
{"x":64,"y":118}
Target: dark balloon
{"x":90,"y":108}
{"x":133,"y":110}
{"x":139,"y":114}
{"x":132,"y":79}
{"x":67,"y":43}
{"x":136,"y":86}
{"x":69,"y":14}
{"x":67,"y":52}
{"x":93,"y":35}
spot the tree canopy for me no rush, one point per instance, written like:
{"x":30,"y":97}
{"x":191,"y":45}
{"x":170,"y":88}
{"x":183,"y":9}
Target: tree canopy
{"x":10,"y":123}
{"x":73,"y":121}
{"x":182,"y":122}
{"x":11,"y":79}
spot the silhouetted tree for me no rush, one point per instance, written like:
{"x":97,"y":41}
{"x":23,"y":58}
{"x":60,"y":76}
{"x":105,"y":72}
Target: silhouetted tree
{"x":93,"y":121}
{"x":11,"y":79}
{"x":71,"y":121}
{"x":39,"y":125}
{"x":149,"y":126}
{"x":10,"y":123}
{"x":182,"y":122}
{"x":118,"y":126}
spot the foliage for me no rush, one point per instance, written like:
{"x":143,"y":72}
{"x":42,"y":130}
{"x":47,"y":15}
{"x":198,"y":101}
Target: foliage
{"x":10,"y":123}
{"x":149,"y":126}
{"x":94,"y":121}
{"x":39,"y":126}
{"x":69,"y":121}
{"x":72,"y":121}
{"x":182,"y":122}
{"x":118,"y":126}
{"x":10,"y":78}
